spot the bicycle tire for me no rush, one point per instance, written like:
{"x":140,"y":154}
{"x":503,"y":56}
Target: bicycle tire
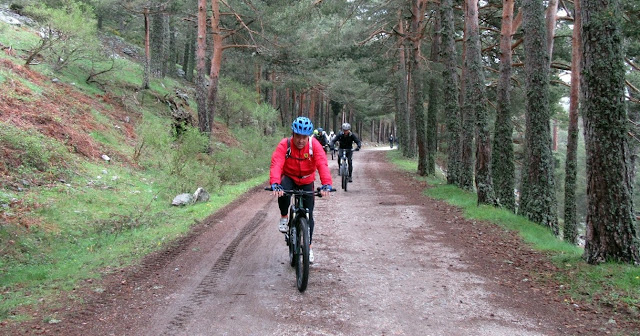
{"x":302,"y":257}
{"x":344,"y":172}
{"x":292,"y":246}
{"x":345,"y":181}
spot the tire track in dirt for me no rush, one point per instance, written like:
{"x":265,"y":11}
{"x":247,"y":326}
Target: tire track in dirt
{"x":208,"y":284}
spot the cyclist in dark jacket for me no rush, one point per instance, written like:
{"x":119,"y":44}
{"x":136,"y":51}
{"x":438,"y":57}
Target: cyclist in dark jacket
{"x":346,"y":139}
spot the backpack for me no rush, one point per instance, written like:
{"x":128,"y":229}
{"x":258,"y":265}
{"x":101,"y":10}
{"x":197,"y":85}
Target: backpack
{"x":288,"y":155}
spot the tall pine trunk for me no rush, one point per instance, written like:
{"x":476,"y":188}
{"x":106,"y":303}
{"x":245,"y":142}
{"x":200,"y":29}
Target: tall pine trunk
{"x":475,"y":101}
{"x":201,"y":80}
{"x":450,"y":91}
{"x":434,"y":100}
{"x":611,"y":231}
{"x":538,"y":200}
{"x":467,"y":111}
{"x":570,"y":232}
{"x":503,"y":165}
{"x":416,"y":83}
{"x":402,"y":117}
{"x":147,"y":50}
{"x":216,"y":63}
{"x":157,"y":41}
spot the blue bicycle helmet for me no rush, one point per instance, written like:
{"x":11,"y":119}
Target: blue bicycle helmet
{"x":302,"y":126}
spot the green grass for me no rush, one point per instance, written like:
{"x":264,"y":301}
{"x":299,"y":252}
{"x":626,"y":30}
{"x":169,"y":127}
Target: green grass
{"x":100,"y":224}
{"x":609,"y":283}
{"x":37,"y":153}
{"x":20,"y":38}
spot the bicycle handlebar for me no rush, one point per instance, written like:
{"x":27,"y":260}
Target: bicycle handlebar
{"x":302,"y":192}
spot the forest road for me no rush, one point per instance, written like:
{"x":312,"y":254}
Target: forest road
{"x":389,"y":261}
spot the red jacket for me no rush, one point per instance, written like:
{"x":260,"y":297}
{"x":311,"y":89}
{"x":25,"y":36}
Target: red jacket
{"x":299,"y":166}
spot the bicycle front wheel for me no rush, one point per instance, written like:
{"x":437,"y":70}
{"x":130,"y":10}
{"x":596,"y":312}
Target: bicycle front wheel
{"x":293,"y":243}
{"x":302,"y":257}
{"x":344,"y":172}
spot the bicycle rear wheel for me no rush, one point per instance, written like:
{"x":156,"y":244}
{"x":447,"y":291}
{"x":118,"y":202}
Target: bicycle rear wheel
{"x":302,"y":255}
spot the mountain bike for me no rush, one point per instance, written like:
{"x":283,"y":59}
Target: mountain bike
{"x":298,"y":236}
{"x":343,"y":169}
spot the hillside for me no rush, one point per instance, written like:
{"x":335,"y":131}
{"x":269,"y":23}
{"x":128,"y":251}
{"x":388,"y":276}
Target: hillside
{"x":88,"y":169}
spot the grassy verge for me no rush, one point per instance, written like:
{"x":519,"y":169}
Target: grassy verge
{"x":95,"y":228}
{"x":613,"y":284}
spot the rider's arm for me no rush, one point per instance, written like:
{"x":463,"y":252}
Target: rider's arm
{"x":277,"y":162}
{"x":335,"y":139}
{"x":355,"y":138}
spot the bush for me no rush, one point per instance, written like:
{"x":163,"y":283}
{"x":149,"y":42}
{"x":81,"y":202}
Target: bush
{"x":253,"y":158}
{"x":190,"y":166}
{"x":69,"y":33}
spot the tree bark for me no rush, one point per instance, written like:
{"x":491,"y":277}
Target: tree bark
{"x":434,"y":99}
{"x":216,"y":63}
{"x":416,"y":83}
{"x":503,"y":165}
{"x":552,"y":18}
{"x":450,"y":91}
{"x":188,"y":54}
{"x":467,"y":111}
{"x":611,"y":230}
{"x":475,"y":100}
{"x":537,"y":201}
{"x":147,"y":52}
{"x":402,"y":117}
{"x":157,"y":41}
{"x":570,"y":233}
{"x":201,"y":81}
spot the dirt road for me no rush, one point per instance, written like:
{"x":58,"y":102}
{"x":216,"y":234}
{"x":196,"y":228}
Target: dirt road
{"x":389,"y":261}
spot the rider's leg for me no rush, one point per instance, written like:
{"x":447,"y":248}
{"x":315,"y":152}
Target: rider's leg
{"x":283,"y":204}
{"x":283,"y":201}
{"x":350,"y":159}
{"x":308,"y":201}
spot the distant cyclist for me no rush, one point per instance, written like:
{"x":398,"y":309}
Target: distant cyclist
{"x":293,"y":166}
{"x":346,"y":139}
{"x":322,"y":137}
{"x":391,"y":139}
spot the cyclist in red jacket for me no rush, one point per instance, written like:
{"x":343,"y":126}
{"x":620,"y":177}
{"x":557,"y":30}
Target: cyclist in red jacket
{"x":293,"y":165}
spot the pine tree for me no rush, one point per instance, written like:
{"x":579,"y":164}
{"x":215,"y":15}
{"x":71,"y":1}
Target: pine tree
{"x":611,"y":232}
{"x":502,"y":165}
{"x":537,"y":200}
{"x":450,"y":90}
